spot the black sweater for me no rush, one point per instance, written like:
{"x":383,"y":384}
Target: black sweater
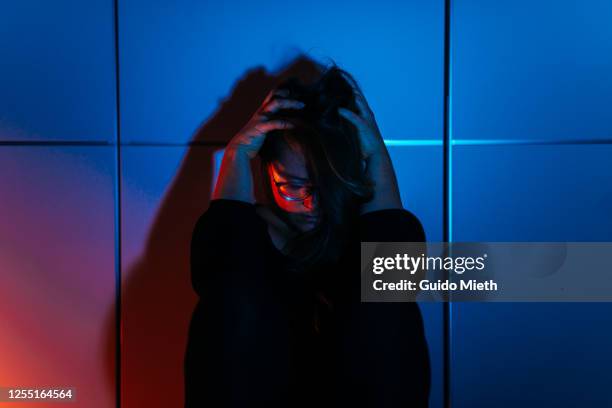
{"x":251,"y":339}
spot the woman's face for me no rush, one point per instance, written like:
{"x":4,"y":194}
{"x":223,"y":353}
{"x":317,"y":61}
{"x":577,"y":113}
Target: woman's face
{"x":292,"y":187}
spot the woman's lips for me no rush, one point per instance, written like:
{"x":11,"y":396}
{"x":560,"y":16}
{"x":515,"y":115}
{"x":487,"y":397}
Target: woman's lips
{"x":310,"y":218}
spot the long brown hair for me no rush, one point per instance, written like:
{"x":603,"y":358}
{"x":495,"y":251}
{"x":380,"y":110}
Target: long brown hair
{"x":332,"y":150}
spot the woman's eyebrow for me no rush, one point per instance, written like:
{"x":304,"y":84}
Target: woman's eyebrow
{"x":292,"y":176}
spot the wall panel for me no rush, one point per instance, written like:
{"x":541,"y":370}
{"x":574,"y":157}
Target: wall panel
{"x":531,"y":354}
{"x":57,"y":254}
{"x":184,"y":62}
{"x":57,"y":71}
{"x":524,"y":70}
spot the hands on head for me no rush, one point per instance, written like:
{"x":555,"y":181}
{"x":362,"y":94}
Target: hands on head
{"x":235,"y":178}
{"x":251,"y":137}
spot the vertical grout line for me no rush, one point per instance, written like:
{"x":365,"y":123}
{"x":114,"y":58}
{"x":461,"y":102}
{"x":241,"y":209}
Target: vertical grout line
{"x":447,"y":196}
{"x":118,"y":278}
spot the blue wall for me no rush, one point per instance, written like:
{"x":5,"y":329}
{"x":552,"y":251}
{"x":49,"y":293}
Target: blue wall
{"x":150,"y":91}
{"x":531,"y":91}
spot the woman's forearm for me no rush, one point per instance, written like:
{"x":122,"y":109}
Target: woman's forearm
{"x":380,"y":170}
{"x":235,"y":181}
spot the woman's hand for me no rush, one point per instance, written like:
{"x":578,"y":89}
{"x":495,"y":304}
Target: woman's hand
{"x":251,"y":137}
{"x":369,"y":134}
{"x":379,"y":168}
{"x":235,"y":180}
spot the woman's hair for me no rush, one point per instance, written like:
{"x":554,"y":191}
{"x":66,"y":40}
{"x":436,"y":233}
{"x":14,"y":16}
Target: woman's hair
{"x":331,"y":146}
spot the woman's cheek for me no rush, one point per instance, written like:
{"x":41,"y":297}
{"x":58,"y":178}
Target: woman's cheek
{"x":291,"y":206}
{"x":283,"y":204}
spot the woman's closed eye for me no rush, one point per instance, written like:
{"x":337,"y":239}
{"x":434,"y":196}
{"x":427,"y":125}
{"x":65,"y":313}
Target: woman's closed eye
{"x":297,"y":190}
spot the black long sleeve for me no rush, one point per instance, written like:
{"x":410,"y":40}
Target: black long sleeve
{"x":391,"y":225}
{"x":247,"y":348}
{"x":238,"y":348}
{"x":228,"y":243}
{"x":380,"y":348}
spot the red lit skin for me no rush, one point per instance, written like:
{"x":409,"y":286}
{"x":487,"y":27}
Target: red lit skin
{"x":291,"y":167}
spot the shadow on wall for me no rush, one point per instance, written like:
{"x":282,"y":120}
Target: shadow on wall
{"x":157,"y":299}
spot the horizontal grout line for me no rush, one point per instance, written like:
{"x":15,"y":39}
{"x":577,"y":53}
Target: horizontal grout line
{"x":388,"y":142}
{"x":413,"y":142}
{"x":100,"y":143}
{"x":53,"y":143}
{"x":477,"y":142}
{"x":191,"y":143}
{"x":493,"y":142}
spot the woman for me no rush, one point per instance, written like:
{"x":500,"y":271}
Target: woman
{"x":280,"y":322}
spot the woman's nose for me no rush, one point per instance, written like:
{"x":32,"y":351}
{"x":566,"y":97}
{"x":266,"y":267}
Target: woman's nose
{"x":310,"y":202}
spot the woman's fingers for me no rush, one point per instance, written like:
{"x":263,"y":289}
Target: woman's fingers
{"x":274,"y":93}
{"x":363,"y":106}
{"x":278,"y":98}
{"x":252,"y":135}
{"x":283,"y":93}
{"x":265,"y":127}
{"x":360,"y":99}
{"x":276,"y":104}
{"x":354,"y":118}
